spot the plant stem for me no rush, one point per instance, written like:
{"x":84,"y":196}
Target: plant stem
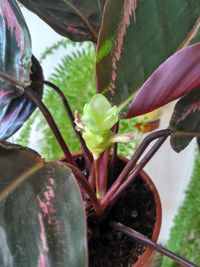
{"x":115,"y":146}
{"x":134,"y":173}
{"x":85,"y":185}
{"x":183,"y":133}
{"x":91,"y":178}
{"x":103,"y":170}
{"x":86,"y":154}
{"x":13,"y":80}
{"x":132,"y":162}
{"x":97,"y":182}
{"x":51,"y":124}
{"x":148,"y":242}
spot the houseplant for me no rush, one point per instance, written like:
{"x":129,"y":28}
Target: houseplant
{"x":50,"y":228}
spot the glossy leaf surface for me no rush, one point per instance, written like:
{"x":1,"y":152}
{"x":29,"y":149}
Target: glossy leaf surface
{"x":78,"y":20}
{"x":185,"y":118}
{"x":15,"y":49}
{"x":177,"y":76}
{"x":42,"y":222}
{"x":136,"y":37}
{"x":18,"y":110}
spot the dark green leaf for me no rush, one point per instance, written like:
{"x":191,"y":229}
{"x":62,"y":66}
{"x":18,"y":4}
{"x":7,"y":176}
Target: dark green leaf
{"x":39,"y":206}
{"x":78,"y":20}
{"x":185,"y":118}
{"x":18,"y":110}
{"x":136,"y":37}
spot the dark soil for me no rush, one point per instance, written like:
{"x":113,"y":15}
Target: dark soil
{"x":136,"y":209}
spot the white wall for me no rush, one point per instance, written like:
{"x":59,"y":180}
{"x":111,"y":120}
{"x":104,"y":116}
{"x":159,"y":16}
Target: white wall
{"x":42,"y":37}
{"x":171,"y":173}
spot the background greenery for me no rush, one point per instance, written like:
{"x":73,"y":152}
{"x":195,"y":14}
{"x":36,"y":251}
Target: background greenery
{"x":75,"y":76}
{"x":185,"y":234}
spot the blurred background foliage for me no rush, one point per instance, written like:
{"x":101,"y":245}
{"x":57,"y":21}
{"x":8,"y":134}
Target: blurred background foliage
{"x":185,"y":234}
{"x":75,"y":77}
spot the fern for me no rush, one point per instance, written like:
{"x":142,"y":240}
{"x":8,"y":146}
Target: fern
{"x":75,"y":76}
{"x":63,"y":43}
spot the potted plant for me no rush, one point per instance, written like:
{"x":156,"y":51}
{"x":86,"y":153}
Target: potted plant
{"x":45,"y":205}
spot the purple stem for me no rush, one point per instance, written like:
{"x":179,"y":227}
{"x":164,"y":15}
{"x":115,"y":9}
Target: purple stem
{"x":96,"y":168}
{"x":91,"y":178}
{"x":132,"y":162}
{"x":86,"y":154}
{"x":148,"y":242}
{"x":134,"y":173}
{"x":115,"y":146}
{"x":11,"y":79}
{"x":103,"y":170}
{"x":51,"y":124}
{"x":85,"y":185}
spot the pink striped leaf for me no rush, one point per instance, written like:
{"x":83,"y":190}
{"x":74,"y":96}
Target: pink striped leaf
{"x":15,"y":111}
{"x":135,"y":38}
{"x":177,"y":76}
{"x":78,"y":20}
{"x":39,"y":206}
{"x":18,"y":67}
{"x":15,"y":52}
{"x":185,"y":119}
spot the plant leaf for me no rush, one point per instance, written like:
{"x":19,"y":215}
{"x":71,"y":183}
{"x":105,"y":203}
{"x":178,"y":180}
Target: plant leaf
{"x":39,"y":211}
{"x":177,"y":76}
{"x":15,"y":49}
{"x":135,"y":38}
{"x":185,"y":118}
{"x":78,"y":20}
{"x":18,"y":110}
{"x":15,"y":61}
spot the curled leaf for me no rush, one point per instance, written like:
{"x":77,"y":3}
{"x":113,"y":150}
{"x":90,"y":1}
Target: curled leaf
{"x":177,"y":76}
{"x":17,"y":110}
{"x":185,"y":120}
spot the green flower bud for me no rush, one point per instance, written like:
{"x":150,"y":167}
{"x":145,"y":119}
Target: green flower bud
{"x":99,"y":115}
{"x":97,"y":120}
{"x":97,"y":143}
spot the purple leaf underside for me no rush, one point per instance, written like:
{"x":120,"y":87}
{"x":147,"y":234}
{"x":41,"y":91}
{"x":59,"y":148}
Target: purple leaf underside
{"x":15,"y":111}
{"x":177,"y":76}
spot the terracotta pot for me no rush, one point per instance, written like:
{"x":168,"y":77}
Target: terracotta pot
{"x":146,"y":259}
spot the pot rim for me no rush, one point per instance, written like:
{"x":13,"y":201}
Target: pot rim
{"x":147,"y":254}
